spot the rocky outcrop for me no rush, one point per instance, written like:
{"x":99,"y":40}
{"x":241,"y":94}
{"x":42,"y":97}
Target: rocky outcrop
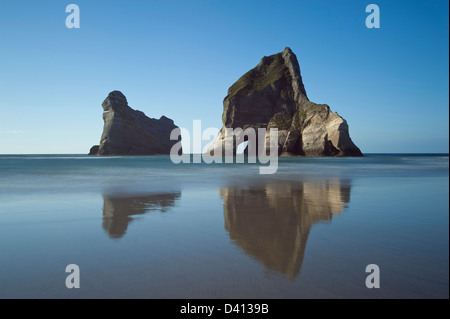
{"x":131,"y":132}
{"x":272,"y":95}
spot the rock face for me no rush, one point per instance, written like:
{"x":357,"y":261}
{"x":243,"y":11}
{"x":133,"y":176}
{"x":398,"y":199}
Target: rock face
{"x":131,"y":132}
{"x":272,"y":95}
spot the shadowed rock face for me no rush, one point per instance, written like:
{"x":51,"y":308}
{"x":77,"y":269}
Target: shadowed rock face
{"x":131,"y":132}
{"x":271,"y":222}
{"x":272,"y":95}
{"x":118,"y":211}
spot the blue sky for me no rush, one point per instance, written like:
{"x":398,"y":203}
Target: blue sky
{"x":178,"y":58}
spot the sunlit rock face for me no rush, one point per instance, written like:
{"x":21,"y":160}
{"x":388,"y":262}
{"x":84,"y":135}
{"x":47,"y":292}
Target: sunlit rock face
{"x":272,"y":95}
{"x":271,"y":222}
{"x":130,"y":132}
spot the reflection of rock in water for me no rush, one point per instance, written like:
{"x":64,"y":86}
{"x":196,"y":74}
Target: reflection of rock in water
{"x":118,"y":209}
{"x":271,"y":222}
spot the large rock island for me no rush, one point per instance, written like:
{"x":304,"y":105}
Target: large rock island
{"x":131,"y":132}
{"x":272,"y":95}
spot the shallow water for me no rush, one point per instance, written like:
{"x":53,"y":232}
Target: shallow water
{"x":143,"y":227}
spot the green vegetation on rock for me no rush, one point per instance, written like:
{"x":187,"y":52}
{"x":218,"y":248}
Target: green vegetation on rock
{"x":314,"y":107}
{"x":271,"y":70}
{"x":301,"y":115}
{"x":281,"y":120}
{"x":298,"y":119}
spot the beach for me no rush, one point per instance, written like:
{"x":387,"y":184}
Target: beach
{"x":144,"y":227}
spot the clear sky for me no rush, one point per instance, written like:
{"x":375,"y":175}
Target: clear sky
{"x":178,"y":58}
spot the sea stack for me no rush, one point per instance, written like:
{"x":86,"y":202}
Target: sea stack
{"x":130,"y":132}
{"x":272,"y":95}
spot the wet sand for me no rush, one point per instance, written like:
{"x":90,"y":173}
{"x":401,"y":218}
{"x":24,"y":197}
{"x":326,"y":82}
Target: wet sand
{"x":144,"y":233}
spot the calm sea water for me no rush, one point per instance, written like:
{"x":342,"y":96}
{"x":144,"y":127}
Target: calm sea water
{"x":143,"y":227}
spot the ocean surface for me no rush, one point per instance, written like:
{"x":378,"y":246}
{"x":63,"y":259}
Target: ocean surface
{"x":143,"y":227}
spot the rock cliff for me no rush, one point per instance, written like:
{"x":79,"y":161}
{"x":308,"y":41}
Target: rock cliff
{"x":272,"y":95}
{"x":131,"y":132}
